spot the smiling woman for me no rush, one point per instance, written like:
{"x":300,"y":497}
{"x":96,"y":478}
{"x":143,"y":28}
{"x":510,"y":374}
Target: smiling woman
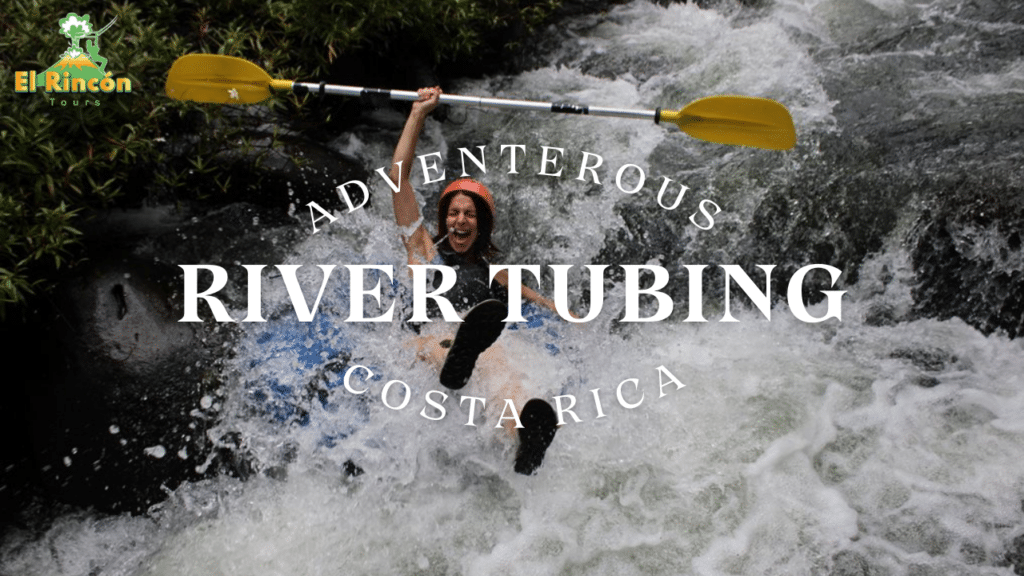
{"x":465,"y":219}
{"x":465,"y":213}
{"x":461,"y":220}
{"x":466,"y":216}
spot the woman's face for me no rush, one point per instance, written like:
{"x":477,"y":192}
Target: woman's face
{"x":462,"y":223}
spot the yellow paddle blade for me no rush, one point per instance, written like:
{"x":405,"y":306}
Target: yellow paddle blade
{"x":219,"y":79}
{"x":740,"y":120}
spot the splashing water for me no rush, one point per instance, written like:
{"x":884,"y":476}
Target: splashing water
{"x":792,"y":449}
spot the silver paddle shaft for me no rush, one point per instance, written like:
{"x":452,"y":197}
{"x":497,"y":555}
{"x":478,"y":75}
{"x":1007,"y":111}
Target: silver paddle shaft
{"x":377,"y":94}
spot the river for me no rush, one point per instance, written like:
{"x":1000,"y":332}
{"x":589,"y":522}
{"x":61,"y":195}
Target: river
{"x":864,"y":446}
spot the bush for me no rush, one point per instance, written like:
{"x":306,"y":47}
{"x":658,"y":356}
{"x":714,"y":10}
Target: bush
{"x":62,"y":162}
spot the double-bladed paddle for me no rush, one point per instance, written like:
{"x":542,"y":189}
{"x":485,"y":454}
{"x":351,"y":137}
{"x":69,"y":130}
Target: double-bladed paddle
{"x":740,"y":120}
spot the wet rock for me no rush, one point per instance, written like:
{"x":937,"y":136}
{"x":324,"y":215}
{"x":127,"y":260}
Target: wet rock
{"x":849,"y":563}
{"x":973,"y":553}
{"x":294,"y":172}
{"x":961,"y":417}
{"x":967,"y":255}
{"x":918,"y":534}
{"x":121,"y":394}
{"x":931,"y":359}
{"x":119,"y":416}
{"x":1015,"y":555}
{"x":924,"y":381}
{"x":268,"y":167}
{"x":575,"y":8}
{"x":953,"y":163}
{"x":880,"y":315}
{"x":229,"y":236}
{"x":993,"y":11}
{"x":836,"y":212}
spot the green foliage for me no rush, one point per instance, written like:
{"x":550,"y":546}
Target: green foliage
{"x":61,"y":161}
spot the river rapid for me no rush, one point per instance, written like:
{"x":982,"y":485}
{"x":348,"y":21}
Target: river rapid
{"x":887,"y":443}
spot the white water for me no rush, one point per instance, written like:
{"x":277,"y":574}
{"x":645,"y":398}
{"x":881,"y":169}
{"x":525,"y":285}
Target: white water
{"x":789,"y":444}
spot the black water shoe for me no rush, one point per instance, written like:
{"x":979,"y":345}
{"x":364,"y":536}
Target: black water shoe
{"x":479,"y":329}
{"x":539,"y":426}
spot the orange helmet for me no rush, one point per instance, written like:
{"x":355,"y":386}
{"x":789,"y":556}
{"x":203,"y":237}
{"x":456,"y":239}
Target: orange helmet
{"x":472,"y":187}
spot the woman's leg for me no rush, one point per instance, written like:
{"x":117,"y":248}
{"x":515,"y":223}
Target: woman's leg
{"x":432,"y":349}
{"x":506,"y":383}
{"x":498,"y":379}
{"x":495,"y":379}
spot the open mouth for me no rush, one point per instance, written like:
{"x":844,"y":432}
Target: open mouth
{"x":461,"y":234}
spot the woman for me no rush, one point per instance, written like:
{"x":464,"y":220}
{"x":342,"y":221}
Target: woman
{"x":465,"y":220}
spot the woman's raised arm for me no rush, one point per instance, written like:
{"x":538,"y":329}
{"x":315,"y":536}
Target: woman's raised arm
{"x":407,"y":211}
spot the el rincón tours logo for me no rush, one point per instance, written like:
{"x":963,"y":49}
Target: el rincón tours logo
{"x":78,"y":71}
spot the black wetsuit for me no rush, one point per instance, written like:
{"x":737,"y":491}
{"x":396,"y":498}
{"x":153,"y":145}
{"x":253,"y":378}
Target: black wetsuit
{"x":471,"y":282}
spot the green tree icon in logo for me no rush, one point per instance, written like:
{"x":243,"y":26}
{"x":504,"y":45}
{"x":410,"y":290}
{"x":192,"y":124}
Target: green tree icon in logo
{"x":86,"y":64}
{"x":75,"y":27}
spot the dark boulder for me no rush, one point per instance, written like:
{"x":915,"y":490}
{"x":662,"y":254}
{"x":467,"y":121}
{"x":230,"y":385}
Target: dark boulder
{"x":966,"y":252}
{"x":121,"y":415}
{"x":120,"y":398}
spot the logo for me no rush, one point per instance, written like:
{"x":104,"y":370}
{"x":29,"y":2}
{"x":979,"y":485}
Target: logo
{"x":78,"y":71}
